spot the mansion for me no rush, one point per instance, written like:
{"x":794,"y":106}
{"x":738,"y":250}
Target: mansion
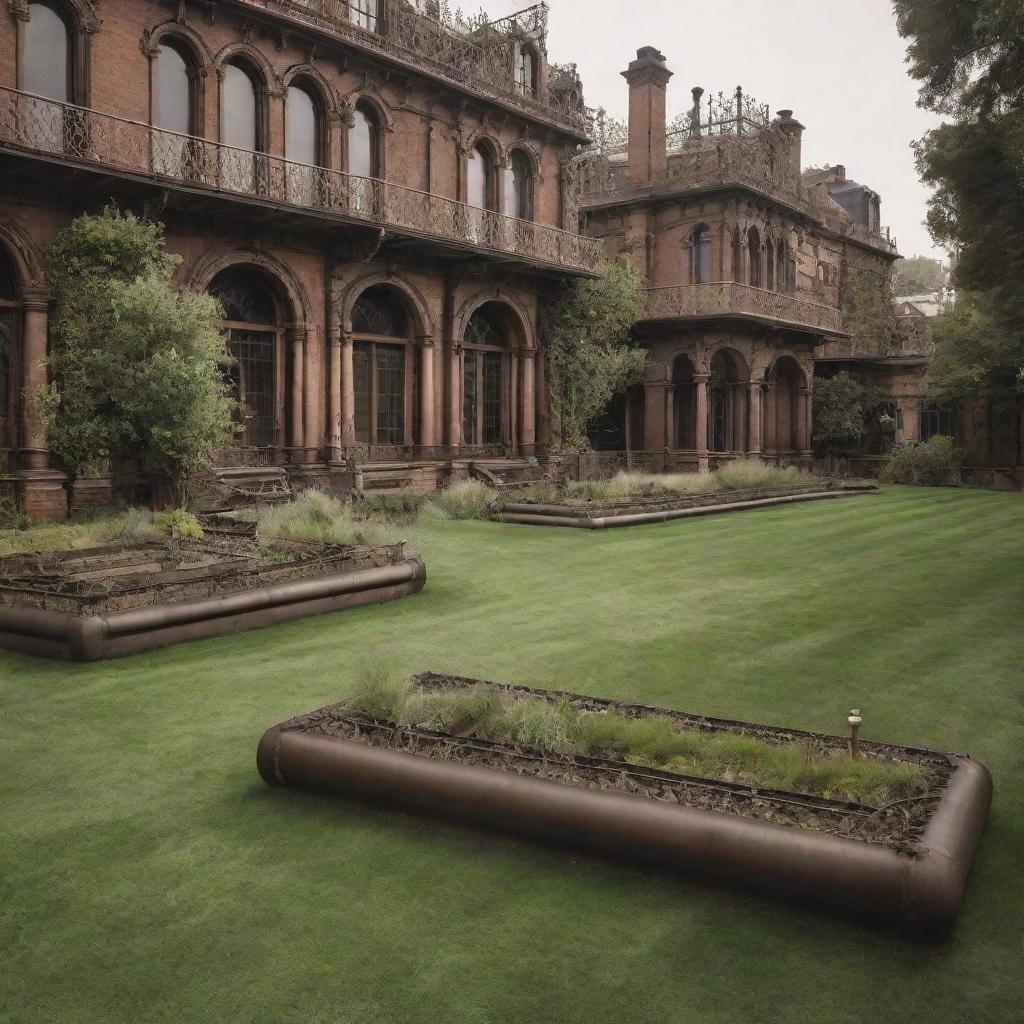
{"x":379,"y":194}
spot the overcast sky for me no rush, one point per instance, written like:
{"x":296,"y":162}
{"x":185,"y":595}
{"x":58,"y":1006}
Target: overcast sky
{"x":838,"y":64}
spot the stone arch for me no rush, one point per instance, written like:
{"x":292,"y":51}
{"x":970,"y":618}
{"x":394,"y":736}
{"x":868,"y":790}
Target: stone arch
{"x":409,"y":294}
{"x":765,"y":358}
{"x":327,"y":94}
{"x":23,"y":256}
{"x":252,"y":54}
{"x":518,"y":315}
{"x":369,"y":97}
{"x":522,"y":146}
{"x":485,"y":135}
{"x":192,"y":40}
{"x":211,"y":263}
{"x":743,"y":371}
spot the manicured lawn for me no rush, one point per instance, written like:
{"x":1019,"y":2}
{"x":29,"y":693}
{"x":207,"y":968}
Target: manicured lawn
{"x":147,"y":874}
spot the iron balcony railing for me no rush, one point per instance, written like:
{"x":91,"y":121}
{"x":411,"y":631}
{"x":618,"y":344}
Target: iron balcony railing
{"x":723,"y":298}
{"x":476,"y":56}
{"x":81,"y":136}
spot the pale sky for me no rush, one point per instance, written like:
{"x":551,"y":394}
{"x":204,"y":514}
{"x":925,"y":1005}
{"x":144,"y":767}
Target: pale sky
{"x":838,"y":64}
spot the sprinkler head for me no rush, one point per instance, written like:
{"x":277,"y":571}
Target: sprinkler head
{"x":855,"y":718}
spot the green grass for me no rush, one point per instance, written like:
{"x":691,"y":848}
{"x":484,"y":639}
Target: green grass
{"x":147,"y":874}
{"x":656,"y":741}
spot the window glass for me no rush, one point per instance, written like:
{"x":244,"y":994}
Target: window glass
{"x":239,"y":109}
{"x":478,"y":179}
{"x":173,"y":91}
{"x":47,"y":54}
{"x":362,"y":145}
{"x":525,"y":73}
{"x":517,"y":187}
{"x":300,"y":127}
{"x":377,"y":312}
{"x":363,"y":13}
{"x":700,"y":255}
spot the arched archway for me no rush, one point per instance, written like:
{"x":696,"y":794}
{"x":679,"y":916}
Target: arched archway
{"x":255,"y":314}
{"x":786,"y":412}
{"x":727,"y":402}
{"x":488,"y":399}
{"x":684,"y":404}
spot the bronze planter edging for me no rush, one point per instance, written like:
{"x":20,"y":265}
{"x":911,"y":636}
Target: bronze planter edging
{"x":576,"y":516}
{"x":64,"y":635}
{"x":920,"y":889}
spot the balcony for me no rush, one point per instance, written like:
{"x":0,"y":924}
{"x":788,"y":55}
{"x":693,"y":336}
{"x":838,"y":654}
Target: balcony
{"x":474,"y":55}
{"x":75,"y":136}
{"x":729,"y":299}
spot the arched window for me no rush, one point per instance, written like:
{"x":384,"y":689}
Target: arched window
{"x":302,"y":124}
{"x":737,"y":257}
{"x":10,"y":323}
{"x":782,"y":417}
{"x":383,"y":368}
{"x":252,"y":326}
{"x":727,"y":403}
{"x":480,"y":177}
{"x":240,"y":109}
{"x":519,"y":186}
{"x":769,"y":264}
{"x":783,"y":274}
{"x":364,"y":143}
{"x":47,"y":60}
{"x":484,"y":370}
{"x":754,"y":255}
{"x":700,"y":255}
{"x":175,"y":106}
{"x":526,"y":70}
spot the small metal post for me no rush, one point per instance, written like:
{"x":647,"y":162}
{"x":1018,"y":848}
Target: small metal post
{"x":855,"y":721}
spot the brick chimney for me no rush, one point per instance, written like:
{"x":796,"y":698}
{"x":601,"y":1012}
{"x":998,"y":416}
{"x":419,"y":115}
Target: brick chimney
{"x":794,"y":131}
{"x":647,"y":77}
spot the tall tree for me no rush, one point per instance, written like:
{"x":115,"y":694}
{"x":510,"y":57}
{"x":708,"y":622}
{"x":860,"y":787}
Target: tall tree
{"x":969,"y":57}
{"x":135,"y":365}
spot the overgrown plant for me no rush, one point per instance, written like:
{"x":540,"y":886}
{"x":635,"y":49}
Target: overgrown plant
{"x":590,"y":359}
{"x":657,"y":741}
{"x":868,"y":311}
{"x":934,"y":463}
{"x":136,"y":367}
{"x":842,"y":405}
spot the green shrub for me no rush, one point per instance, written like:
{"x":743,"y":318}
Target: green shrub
{"x":467,"y":500}
{"x":933,"y":463}
{"x":11,"y":517}
{"x":179,"y":523}
{"x":315,"y":516}
{"x":403,"y":507}
{"x":744,"y":474}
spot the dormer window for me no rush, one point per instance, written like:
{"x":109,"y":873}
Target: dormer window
{"x":526,"y":70}
{"x":365,"y":14}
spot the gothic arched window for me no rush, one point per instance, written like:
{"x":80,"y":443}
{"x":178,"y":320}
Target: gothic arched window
{"x":240,"y":117}
{"x":484,"y":370}
{"x":364,"y":143}
{"x":519,"y":186}
{"x":174,"y":109}
{"x":700,"y":255}
{"x":526,"y":70}
{"x":302,"y":125}
{"x":754,"y":255}
{"x":480,"y":177}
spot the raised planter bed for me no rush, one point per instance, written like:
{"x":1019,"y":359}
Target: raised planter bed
{"x":120,"y":599}
{"x":598,"y":515}
{"x":905,"y":862}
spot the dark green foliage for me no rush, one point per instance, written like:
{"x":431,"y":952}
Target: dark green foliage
{"x":135,"y":366}
{"x":402,"y":507}
{"x":933,"y":463}
{"x":968,"y":56}
{"x":842,"y":405}
{"x":868,"y":311}
{"x":589,"y":356}
{"x":916,"y":275}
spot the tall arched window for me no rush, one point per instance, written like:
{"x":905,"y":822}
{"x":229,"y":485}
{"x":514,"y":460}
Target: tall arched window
{"x":484,"y":369}
{"x":252,"y":326}
{"x":364,"y":143}
{"x":684,"y":393}
{"x":782,"y":272}
{"x":526,"y":70}
{"x":480,"y":177}
{"x":737,"y":257}
{"x":700,"y":255}
{"x":10,"y":323}
{"x":46,"y":64}
{"x":383,"y":368}
{"x":519,"y":186}
{"x":174,"y":109}
{"x":754,"y":254}
{"x":727,"y":403}
{"x":302,"y":127}
{"x":769,"y":264}
{"x":240,"y":121}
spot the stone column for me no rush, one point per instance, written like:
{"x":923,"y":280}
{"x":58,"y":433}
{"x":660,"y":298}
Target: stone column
{"x":803,"y":422}
{"x":670,"y":419}
{"x":348,"y":393}
{"x":454,"y":396}
{"x":769,"y":441}
{"x":334,"y":452}
{"x":754,"y":419}
{"x":528,"y":420}
{"x":654,"y":416}
{"x":701,"y":381}
{"x":312,"y":390}
{"x":744,"y":261}
{"x":297,"y":340}
{"x":513,"y":404}
{"x":427,"y":395}
{"x":33,"y":453}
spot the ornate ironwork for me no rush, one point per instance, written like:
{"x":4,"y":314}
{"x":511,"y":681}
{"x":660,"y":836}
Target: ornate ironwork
{"x":725,"y":297}
{"x":473,"y":53}
{"x":64,"y":132}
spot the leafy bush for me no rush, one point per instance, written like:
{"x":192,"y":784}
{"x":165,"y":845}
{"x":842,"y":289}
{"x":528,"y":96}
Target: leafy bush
{"x":179,"y":523}
{"x":467,"y":500}
{"x":933,"y":463}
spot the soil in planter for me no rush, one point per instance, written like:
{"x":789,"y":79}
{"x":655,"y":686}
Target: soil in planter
{"x":584,"y":741}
